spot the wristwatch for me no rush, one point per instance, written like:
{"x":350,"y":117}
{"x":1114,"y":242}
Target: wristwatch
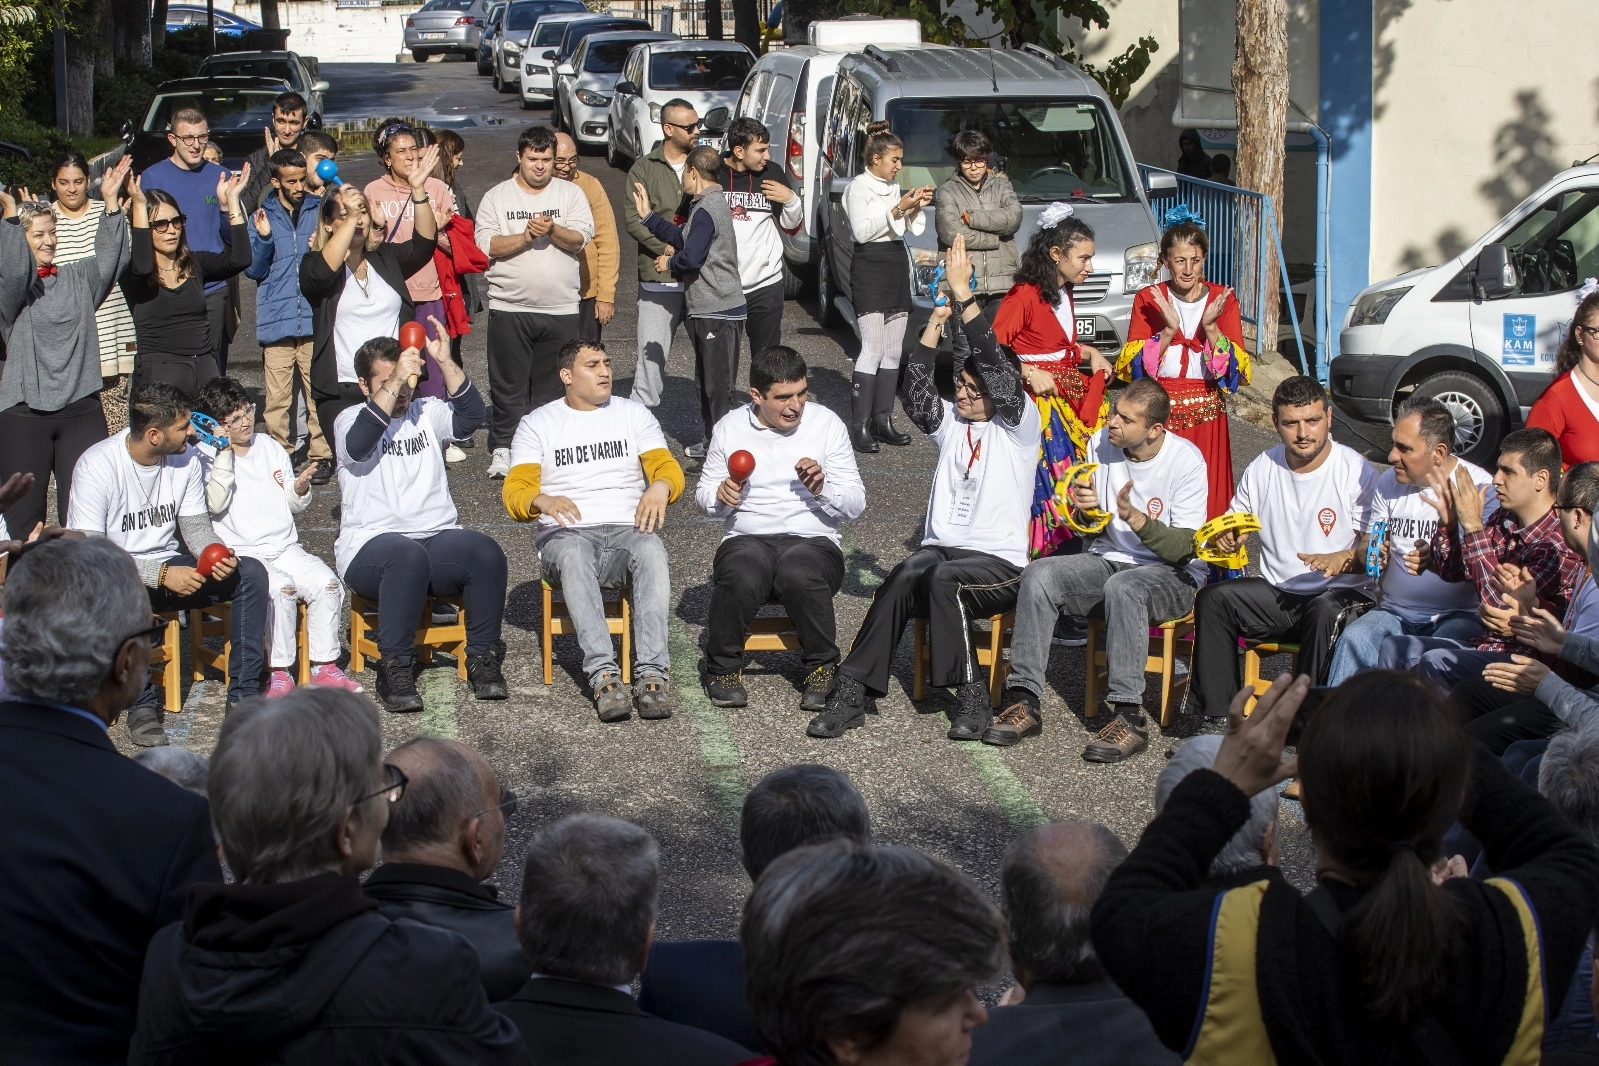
{"x":962,"y":305}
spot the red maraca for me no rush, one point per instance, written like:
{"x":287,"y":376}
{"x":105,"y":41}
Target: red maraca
{"x":210,"y":557}
{"x":740,"y":465}
{"x":413,"y":335}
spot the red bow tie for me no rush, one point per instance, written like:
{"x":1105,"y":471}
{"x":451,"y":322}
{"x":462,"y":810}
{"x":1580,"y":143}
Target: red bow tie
{"x":47,"y":271}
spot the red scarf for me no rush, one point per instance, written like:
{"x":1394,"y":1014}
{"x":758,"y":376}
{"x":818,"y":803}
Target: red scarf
{"x":47,"y":271}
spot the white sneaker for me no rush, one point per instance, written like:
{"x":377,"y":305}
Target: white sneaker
{"x":452,"y":454}
{"x":499,"y":463}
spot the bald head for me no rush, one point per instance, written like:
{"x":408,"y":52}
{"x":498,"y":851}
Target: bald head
{"x":566,"y":157}
{"x":1050,"y":879}
{"x":449,"y":814}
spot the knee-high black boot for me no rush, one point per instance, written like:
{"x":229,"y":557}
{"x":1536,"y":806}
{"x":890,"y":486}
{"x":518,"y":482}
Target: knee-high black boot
{"x":864,"y":387}
{"x":884,"y":392}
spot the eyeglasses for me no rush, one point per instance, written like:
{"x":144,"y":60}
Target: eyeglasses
{"x":393,"y":790}
{"x":506,"y":806}
{"x":246,"y":417}
{"x":154,"y":633}
{"x":194,"y":140}
{"x":973,"y":391}
{"x":566,"y":160}
{"x":161,"y":225}
{"x":1592,"y":331}
{"x":686,"y":127}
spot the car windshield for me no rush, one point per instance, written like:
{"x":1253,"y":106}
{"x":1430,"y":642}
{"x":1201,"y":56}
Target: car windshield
{"x":549,"y":34}
{"x":576,"y":31}
{"x":707,"y":69}
{"x":252,"y":68}
{"x":522,"y":16}
{"x":1050,"y":149}
{"x":223,"y":109}
{"x":607,"y":57}
{"x":446,"y":5}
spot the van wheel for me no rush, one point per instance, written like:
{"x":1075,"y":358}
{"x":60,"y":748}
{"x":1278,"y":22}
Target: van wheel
{"x":1479,"y":416}
{"x":826,"y":313}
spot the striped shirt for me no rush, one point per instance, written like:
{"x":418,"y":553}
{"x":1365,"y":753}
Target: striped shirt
{"x":113,"y":322}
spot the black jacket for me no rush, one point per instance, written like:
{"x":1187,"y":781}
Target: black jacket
{"x":96,"y":853}
{"x":1083,"y":1025}
{"x":311,"y":972}
{"x":700,"y":983}
{"x":451,"y":900}
{"x":568,"y":1023}
{"x":322,"y":285}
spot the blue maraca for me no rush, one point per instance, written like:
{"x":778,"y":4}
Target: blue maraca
{"x":328,"y":170}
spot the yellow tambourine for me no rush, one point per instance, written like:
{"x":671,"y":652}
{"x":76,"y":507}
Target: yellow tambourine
{"x":1093,"y":520}
{"x":1233,"y":521}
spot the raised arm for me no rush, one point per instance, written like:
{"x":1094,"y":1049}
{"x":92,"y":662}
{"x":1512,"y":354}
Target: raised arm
{"x":920,"y":392}
{"x":1000,"y":379}
{"x":17,"y":271}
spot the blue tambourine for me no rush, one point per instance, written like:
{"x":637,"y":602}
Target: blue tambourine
{"x":1374,"y":549}
{"x":207,"y":429}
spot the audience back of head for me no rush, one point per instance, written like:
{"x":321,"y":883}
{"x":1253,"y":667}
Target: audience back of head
{"x":184,"y":768}
{"x":1252,"y":845}
{"x":1568,"y":777}
{"x":1050,"y":878}
{"x":445,"y":788}
{"x":798,"y":805}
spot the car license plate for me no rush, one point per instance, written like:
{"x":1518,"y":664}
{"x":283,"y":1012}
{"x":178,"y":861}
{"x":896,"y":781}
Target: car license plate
{"x":433,"y":36}
{"x":1085,"y":328}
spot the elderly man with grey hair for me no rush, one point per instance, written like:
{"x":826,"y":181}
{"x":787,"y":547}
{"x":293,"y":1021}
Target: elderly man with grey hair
{"x":292,"y":963}
{"x":444,"y":837}
{"x":1253,"y":846}
{"x":96,"y":852}
{"x":589,"y":893}
{"x":1070,"y":1012}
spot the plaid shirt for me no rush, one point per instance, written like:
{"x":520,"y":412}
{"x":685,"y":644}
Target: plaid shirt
{"x":1538,"y":547}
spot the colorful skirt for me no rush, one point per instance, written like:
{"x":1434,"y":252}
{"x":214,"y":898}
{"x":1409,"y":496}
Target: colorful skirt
{"x":1067,"y":420}
{"x":1199,"y":415}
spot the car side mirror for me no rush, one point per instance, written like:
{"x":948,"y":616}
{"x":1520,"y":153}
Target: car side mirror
{"x":321,"y":87}
{"x":565,"y":70}
{"x":626,"y":88}
{"x":1494,"y":273}
{"x":125,"y":131}
{"x":1160,"y":183}
{"x":314,"y":122}
{"x":716,"y":120}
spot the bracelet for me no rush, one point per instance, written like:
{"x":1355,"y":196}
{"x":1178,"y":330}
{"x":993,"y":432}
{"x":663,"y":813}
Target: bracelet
{"x":414,"y":200}
{"x":161,"y":575}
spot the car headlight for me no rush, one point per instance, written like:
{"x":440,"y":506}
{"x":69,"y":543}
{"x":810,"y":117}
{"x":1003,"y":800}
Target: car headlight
{"x":655,"y":112}
{"x":511,"y":48}
{"x":592,"y":99}
{"x":1140,"y":267}
{"x":1373,"y":308}
{"x":534,"y":68}
{"x":924,"y":264}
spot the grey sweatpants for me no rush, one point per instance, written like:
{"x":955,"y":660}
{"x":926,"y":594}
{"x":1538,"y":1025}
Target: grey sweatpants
{"x":659,"y":316}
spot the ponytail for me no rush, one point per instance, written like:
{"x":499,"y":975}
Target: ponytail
{"x":880,"y":140}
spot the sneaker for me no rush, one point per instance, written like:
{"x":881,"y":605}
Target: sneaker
{"x":397,"y":685}
{"x":500,"y":463}
{"x":817,"y":686}
{"x":612,"y":702}
{"x":1070,"y":632}
{"x":468,"y":444}
{"x":726,"y":690}
{"x":1018,"y":721}
{"x":696,"y":451}
{"x":144,"y":726}
{"x":846,"y":709}
{"x":1119,"y":740}
{"x":324,"y":472}
{"x":452,"y":454}
{"x":653,"y":696}
{"x":328,"y":675}
{"x":281,"y":684}
{"x":975,"y":714}
{"x":488,"y":681}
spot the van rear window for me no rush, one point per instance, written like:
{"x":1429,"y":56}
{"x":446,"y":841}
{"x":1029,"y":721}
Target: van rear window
{"x":1050,"y":149}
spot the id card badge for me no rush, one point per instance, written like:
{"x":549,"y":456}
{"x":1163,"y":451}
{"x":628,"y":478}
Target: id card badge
{"x":965,"y":503}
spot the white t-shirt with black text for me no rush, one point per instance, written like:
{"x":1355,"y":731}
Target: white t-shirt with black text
{"x":982,"y":494}
{"x":1314,"y":514}
{"x":136,"y":507}
{"x":1171,"y":487}
{"x":1420,"y":597}
{"x":400,"y":488}
{"x":590,"y":457}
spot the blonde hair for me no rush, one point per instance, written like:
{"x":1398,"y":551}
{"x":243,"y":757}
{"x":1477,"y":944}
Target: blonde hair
{"x":29,"y":210}
{"x":331,"y":212}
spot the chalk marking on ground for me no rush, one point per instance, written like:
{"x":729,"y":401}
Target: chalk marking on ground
{"x":438,"y":703}
{"x":722,"y":766}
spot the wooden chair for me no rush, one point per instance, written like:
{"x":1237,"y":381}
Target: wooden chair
{"x":557,"y":622}
{"x":450,"y":639}
{"x":1162,"y":660}
{"x":772,"y":632}
{"x":166,"y":667}
{"x":1256,"y":650}
{"x":990,"y":654}
{"x":205,"y":622}
{"x":302,"y":649}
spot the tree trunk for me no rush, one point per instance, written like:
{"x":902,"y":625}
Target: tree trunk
{"x":269,"y":15}
{"x":713,"y":19}
{"x":158,"y":24}
{"x":1260,"y":84}
{"x":747,"y":24}
{"x":80,"y":88}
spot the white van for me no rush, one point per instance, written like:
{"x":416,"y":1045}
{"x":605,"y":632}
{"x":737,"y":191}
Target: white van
{"x":1479,"y":332}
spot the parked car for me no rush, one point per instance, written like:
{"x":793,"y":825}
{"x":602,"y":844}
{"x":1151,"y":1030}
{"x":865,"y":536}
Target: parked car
{"x":539,"y":62}
{"x":1480,"y":332}
{"x":237,"y":109}
{"x":187,"y":16}
{"x":1059,"y":138}
{"x":708,"y":74}
{"x":288,"y":66}
{"x":485,"y":43}
{"x":445,"y":27}
{"x":515,"y":34}
{"x":786,"y":88}
{"x":583,"y":86}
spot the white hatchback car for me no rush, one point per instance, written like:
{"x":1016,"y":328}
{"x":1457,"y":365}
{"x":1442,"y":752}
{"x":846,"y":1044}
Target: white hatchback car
{"x":583,"y":86}
{"x":533,"y":79}
{"x":708,"y":74}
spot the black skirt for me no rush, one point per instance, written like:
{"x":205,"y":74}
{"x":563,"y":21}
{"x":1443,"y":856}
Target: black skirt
{"x":880,"y":278}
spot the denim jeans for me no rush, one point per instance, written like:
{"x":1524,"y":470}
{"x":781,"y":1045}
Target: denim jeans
{"x":1361,"y":642}
{"x":246,"y":589}
{"x":583,"y":560}
{"x":1446,"y":661}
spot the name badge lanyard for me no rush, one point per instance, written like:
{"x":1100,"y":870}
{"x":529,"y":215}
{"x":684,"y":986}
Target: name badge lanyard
{"x":973,"y":453}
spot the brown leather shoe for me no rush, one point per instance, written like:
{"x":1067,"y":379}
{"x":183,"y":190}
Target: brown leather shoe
{"x":1117,"y":741}
{"x":1291,"y":790}
{"x":1018,"y":721}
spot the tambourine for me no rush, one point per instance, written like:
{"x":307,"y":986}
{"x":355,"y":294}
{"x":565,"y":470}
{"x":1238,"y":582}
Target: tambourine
{"x":1093,"y":520}
{"x":207,"y":429}
{"x":1374,"y":548}
{"x":1231,"y":522}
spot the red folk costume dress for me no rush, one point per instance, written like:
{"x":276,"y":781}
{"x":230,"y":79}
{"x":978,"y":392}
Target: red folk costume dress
{"x":1567,"y":410}
{"x":1194,"y":373}
{"x":1045,"y":338}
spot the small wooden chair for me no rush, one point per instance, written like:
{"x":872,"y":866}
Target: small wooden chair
{"x":1256,"y":650}
{"x":1162,"y":660}
{"x":166,"y":667}
{"x":205,"y":622}
{"x":990,"y":654}
{"x":450,"y":639}
{"x":557,"y":622}
{"x":772,"y":632}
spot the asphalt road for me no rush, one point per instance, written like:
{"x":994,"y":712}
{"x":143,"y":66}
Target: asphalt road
{"x":684,"y":779}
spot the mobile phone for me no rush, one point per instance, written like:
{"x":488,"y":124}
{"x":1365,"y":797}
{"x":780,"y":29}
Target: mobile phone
{"x":1312,"y":703}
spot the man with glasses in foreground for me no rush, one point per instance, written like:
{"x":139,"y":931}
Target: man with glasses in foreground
{"x":444,"y":837}
{"x":660,"y":295}
{"x":294,"y":960}
{"x":192,"y":181}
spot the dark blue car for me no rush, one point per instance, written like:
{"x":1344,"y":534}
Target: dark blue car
{"x":184,"y":16}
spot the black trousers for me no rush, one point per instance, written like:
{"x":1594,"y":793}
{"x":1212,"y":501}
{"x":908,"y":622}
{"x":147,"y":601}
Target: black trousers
{"x":1497,"y":719}
{"x":765,"y":322}
{"x":400,"y":573}
{"x":1250,"y":607}
{"x":522,"y":369}
{"x":45,"y":442}
{"x":716,"y":342}
{"x":187,"y":372}
{"x":217,"y":306}
{"x":801,"y":573}
{"x":588,"y":324}
{"x":247,"y":588}
{"x":947,"y":586}
{"x":327,"y":411}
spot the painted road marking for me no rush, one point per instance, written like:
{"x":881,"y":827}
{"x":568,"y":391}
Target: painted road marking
{"x":722,"y":766}
{"x":438,"y":703}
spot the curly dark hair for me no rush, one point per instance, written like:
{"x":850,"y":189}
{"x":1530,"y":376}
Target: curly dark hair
{"x":1036,"y":266}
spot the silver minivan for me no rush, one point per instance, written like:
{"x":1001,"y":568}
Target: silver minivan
{"x":1058,"y":139}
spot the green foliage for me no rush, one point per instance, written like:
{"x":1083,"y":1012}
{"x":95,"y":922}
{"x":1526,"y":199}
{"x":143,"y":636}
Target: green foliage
{"x":45,"y":142}
{"x":1025,"y":22}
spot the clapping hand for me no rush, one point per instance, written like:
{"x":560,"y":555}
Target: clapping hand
{"x":1441,"y":499}
{"x":262,"y":226}
{"x":1214,"y":308}
{"x":1168,"y":309}
{"x":1496,"y":620}
{"x":271,"y":142}
{"x":1517,"y":586}
{"x":1539,"y":629}
{"x":1520,"y":675}
{"x":1418,"y":558}
{"x":1125,"y":510}
{"x":426,"y":163}
{"x":958,"y":269}
{"x":1250,"y":755}
{"x":641,"y":200}
{"x":111,"y":181}
{"x":231,"y":186}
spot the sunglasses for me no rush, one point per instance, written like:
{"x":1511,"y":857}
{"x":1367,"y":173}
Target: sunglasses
{"x":394,"y":129}
{"x":162,"y":225}
{"x":686,"y":127}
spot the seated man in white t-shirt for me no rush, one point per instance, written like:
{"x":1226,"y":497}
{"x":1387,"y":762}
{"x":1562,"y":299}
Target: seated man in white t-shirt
{"x":780,"y":527}
{"x":594,"y":472}
{"x":1416,"y":601}
{"x":143,"y":489}
{"x":1139,"y":571}
{"x":253,"y":496}
{"x":399,"y":537}
{"x":974,"y":542}
{"x":1313,"y":498}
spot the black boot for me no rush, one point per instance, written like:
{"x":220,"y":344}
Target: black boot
{"x":883,"y":396}
{"x":863,"y":389}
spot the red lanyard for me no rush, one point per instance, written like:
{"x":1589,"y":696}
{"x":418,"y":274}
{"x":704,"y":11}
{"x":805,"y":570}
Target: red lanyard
{"x":973,"y":451}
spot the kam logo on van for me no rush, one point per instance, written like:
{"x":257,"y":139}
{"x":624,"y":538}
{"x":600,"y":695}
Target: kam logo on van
{"x":1521,"y":339}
